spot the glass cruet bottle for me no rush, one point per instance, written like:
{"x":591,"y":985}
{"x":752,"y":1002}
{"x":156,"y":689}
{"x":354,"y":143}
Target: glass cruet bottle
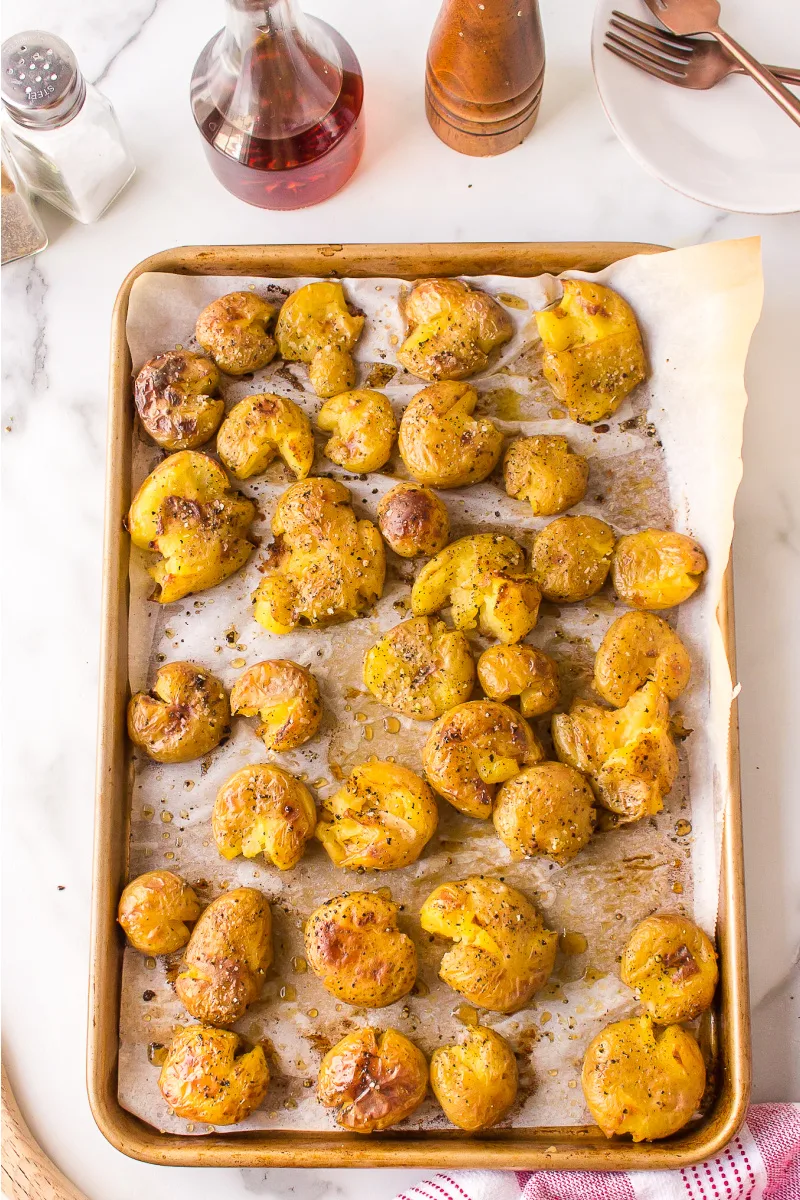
{"x":277,"y":96}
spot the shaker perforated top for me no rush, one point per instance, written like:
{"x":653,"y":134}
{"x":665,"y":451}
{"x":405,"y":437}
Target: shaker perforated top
{"x":40,"y":80}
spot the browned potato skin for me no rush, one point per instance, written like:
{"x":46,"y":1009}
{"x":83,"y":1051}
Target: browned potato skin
{"x":372,"y":1080}
{"x":263,"y":808}
{"x":521,"y":670}
{"x":206,"y":1077}
{"x":476,"y":1080}
{"x":176,"y":399}
{"x":286,"y":698}
{"x":155,"y":910}
{"x":413,"y":520}
{"x":452,"y":330}
{"x":672,"y":966}
{"x":571,"y":558}
{"x":656,"y":569}
{"x":184,"y":716}
{"x":227,"y":958}
{"x":260,"y":427}
{"x":547,"y":809}
{"x":355,"y":947}
{"x":420,"y":668}
{"x":233,"y":331}
{"x":639,"y":648}
{"x":331,"y":371}
{"x":441,"y":443}
{"x":363,"y":427}
{"x":545,"y":472}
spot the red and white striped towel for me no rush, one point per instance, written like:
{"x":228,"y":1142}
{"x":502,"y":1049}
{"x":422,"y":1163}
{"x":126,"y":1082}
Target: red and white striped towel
{"x":761,"y":1163}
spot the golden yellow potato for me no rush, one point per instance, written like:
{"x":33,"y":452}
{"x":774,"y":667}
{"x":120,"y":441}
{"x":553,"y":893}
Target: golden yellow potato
{"x":521,"y":670}
{"x":545,"y":472}
{"x":628,"y":753}
{"x":155,"y":910}
{"x":476,"y":1080}
{"x":313,"y":322}
{"x":503,"y":953}
{"x":286,"y":698}
{"x":593,"y":353}
{"x":258,"y":428}
{"x":176,"y":397}
{"x":234,"y":332}
{"x":657,"y":569}
{"x":420,"y":668}
{"x":413,"y":520}
{"x":363,"y":428}
{"x":640,"y":647}
{"x":331,"y":371}
{"x":325,"y":564}
{"x":227,"y":958}
{"x":453,"y":329}
{"x":184,"y":715}
{"x":187,"y":512}
{"x":355,"y":947}
{"x":372,"y":1080}
{"x":571,"y":558}
{"x":672,"y":966}
{"x":381,"y":819}
{"x":262,"y":809}
{"x":440,"y":441}
{"x":475,"y":747}
{"x":546,"y":809}
{"x":211,"y":1076}
{"x":643,"y":1081}
{"x":484,"y":580}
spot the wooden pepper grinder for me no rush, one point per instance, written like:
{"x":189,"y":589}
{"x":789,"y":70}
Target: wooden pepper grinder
{"x":483,"y":78}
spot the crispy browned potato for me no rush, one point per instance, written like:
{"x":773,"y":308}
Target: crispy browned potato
{"x":234,"y":332}
{"x":176,"y":396}
{"x":372,"y":1080}
{"x":453,"y":329}
{"x":184,"y":715}
{"x":262,"y":809}
{"x":441,"y":443}
{"x":227,"y":958}
{"x":313,"y":323}
{"x":521,"y":670}
{"x":503,"y":953}
{"x":413,"y":520}
{"x":331,"y":371}
{"x":672,"y":966}
{"x":546,"y":809}
{"x":657,"y":569}
{"x":571,"y":558}
{"x":545,"y":472}
{"x":155,"y":910}
{"x":640,"y":648}
{"x":286,"y":698}
{"x":420,"y":668}
{"x":355,"y":947}
{"x":211,"y":1075}
{"x":381,"y":819}
{"x":260,"y":427}
{"x":363,"y":428}
{"x":643,"y":1081}
{"x":475,"y":1081}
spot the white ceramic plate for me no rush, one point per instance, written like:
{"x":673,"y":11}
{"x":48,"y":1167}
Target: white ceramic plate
{"x":731,"y":146}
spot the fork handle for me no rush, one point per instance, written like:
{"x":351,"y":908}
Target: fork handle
{"x":764,"y":78}
{"x":785,"y":74}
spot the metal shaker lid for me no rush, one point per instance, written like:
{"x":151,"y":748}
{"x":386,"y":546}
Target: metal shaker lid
{"x":40,"y":81}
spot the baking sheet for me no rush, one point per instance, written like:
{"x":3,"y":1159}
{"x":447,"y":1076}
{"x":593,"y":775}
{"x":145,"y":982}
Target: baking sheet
{"x":669,"y":457}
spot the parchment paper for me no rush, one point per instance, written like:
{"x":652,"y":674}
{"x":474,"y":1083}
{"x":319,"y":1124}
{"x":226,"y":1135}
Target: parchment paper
{"x":670,"y":457}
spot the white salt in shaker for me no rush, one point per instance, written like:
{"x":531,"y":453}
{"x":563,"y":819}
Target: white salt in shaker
{"x":63,"y":133}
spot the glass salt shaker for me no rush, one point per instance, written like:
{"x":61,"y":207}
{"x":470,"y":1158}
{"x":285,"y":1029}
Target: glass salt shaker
{"x":61,"y":131}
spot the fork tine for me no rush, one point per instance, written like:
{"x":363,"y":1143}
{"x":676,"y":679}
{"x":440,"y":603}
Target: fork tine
{"x":635,"y":61}
{"x":648,"y":35}
{"x":665,"y":35}
{"x":674,"y":69}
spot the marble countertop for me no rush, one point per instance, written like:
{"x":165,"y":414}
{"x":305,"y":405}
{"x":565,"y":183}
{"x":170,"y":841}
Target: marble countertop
{"x":570,"y":180}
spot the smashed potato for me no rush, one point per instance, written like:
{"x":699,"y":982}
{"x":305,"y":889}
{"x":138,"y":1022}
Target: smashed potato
{"x":484,"y":580}
{"x":372,"y":1080}
{"x":260,"y":427}
{"x":227,"y":957}
{"x":546,"y":809}
{"x":176,"y":397}
{"x":545,"y":472}
{"x":363,"y":428}
{"x":286,"y":698}
{"x":475,"y":747}
{"x":657,"y":569}
{"x":331,"y":372}
{"x":212,"y":1075}
{"x":420,"y":668}
{"x":440,"y":441}
{"x":155,"y":910}
{"x":184,"y":715}
{"x":571,"y":558}
{"x":628,"y":753}
{"x":187,"y":512}
{"x":453,"y":329}
{"x":381,"y":819}
{"x":324,"y":565}
{"x":593,"y":353}
{"x":312,"y":323}
{"x":643,"y":1081}
{"x":355,"y":947}
{"x":476,"y":1080}
{"x":234,"y":332}
{"x":524,"y":671}
{"x":413,"y":520}
{"x":672,"y":966}
{"x":262,"y":809}
{"x":640,"y":647}
{"x":503,"y":953}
